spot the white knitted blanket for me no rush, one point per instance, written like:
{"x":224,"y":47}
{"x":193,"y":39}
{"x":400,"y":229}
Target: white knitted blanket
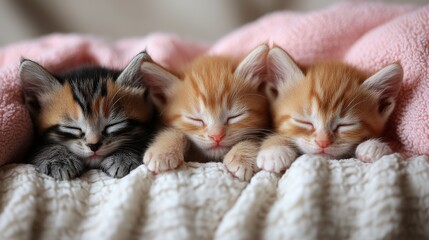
{"x":314,"y":199}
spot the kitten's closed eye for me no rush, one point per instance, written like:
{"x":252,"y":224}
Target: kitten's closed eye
{"x":344,"y":126}
{"x":235,"y":118}
{"x":114,"y":127}
{"x":303,"y":123}
{"x":75,"y":131}
{"x":195,"y":121}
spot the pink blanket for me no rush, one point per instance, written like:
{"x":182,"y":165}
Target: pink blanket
{"x":368,"y":35}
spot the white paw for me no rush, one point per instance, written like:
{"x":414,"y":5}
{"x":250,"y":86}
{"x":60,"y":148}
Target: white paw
{"x":276,"y":159}
{"x":372,"y":150}
{"x":240,"y":165}
{"x":159,"y":160}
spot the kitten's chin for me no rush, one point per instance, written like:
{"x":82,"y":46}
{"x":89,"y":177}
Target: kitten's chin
{"x":211,"y":151}
{"x":324,"y":155}
{"x":91,"y":156}
{"x":216,"y":153}
{"x":330,"y":153}
{"x":91,"y":159}
{"x":94,"y":161}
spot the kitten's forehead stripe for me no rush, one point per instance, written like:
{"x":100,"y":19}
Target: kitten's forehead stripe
{"x":87,"y":88}
{"x":331,"y":100}
{"x":215,"y":89}
{"x":315,"y":95}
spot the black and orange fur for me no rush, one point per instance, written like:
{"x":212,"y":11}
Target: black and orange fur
{"x":90,"y":117}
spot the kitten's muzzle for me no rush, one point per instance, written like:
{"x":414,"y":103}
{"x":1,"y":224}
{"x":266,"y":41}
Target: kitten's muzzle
{"x":323,"y":143}
{"x":218,"y":136}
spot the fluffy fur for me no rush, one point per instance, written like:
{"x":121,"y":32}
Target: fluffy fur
{"x":216,"y":108}
{"x":327,"y":110}
{"x":92,"y":117}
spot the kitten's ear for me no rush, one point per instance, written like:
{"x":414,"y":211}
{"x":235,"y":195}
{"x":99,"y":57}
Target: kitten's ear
{"x":282,"y":69}
{"x":36,"y":83}
{"x":159,"y":81}
{"x":253,"y":65}
{"x":385,"y":85}
{"x":131,"y":76}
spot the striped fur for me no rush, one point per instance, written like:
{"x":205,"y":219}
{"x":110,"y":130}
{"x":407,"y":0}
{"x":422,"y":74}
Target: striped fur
{"x":217,"y":103}
{"x":95,"y":113}
{"x":329,"y":109}
{"x":210,"y":99}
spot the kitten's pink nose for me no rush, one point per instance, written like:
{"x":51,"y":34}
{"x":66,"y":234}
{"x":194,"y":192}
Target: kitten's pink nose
{"x":323,"y":143}
{"x":217,"y":137}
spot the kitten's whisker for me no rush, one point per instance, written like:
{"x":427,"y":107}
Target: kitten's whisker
{"x":130,"y":149}
{"x":114,"y":95}
{"x":117,"y":100}
{"x":348,"y":107}
{"x":354,"y":105}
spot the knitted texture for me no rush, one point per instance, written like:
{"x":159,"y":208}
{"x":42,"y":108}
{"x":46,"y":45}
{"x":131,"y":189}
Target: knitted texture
{"x":314,"y":199}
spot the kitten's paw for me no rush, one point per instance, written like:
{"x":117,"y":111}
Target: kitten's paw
{"x":161,"y":160}
{"x":276,"y":159}
{"x":65,"y":167}
{"x":372,"y":150}
{"x":240,"y":164}
{"x":119,"y":165}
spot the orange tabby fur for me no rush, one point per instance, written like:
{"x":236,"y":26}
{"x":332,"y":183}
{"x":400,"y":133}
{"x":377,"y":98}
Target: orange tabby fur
{"x":334,"y":88}
{"x":211,"y":81}
{"x":328,"y":110}
{"x":217,"y":104}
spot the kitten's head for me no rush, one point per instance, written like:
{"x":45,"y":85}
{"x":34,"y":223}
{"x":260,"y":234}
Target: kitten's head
{"x":333,"y":106}
{"x":216,"y":103}
{"x":92,"y":111}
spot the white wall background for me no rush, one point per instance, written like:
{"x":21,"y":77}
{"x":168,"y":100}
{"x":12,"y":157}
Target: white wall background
{"x":197,"y":19}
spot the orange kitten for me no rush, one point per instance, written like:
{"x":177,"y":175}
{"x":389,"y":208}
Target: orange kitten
{"x":216,"y":110}
{"x":329,"y":110}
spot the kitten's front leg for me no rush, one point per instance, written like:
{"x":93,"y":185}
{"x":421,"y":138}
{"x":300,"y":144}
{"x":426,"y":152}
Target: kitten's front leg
{"x":58,"y":162}
{"x":167,"y":151}
{"x":241,"y":159}
{"x":371,"y":150}
{"x":120,"y":163}
{"x":276,"y":154}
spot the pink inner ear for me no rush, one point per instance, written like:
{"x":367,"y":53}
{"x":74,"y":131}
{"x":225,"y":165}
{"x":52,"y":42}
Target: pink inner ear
{"x":158,"y":93}
{"x":262,"y":87}
{"x":273,"y":91}
{"x":383,"y":104}
{"x":161,"y":97}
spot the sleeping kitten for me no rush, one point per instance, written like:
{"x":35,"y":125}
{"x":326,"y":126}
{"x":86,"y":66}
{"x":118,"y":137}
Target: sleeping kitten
{"x":328,"y":111}
{"x":215,"y":112}
{"x":92,"y":117}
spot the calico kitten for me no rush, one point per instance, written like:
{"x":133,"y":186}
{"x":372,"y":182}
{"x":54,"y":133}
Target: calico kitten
{"x":329,"y":110}
{"x":93,"y":117}
{"x":216,"y":111}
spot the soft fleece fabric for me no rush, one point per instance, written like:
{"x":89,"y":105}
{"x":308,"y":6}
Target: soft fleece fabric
{"x":368,"y":35}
